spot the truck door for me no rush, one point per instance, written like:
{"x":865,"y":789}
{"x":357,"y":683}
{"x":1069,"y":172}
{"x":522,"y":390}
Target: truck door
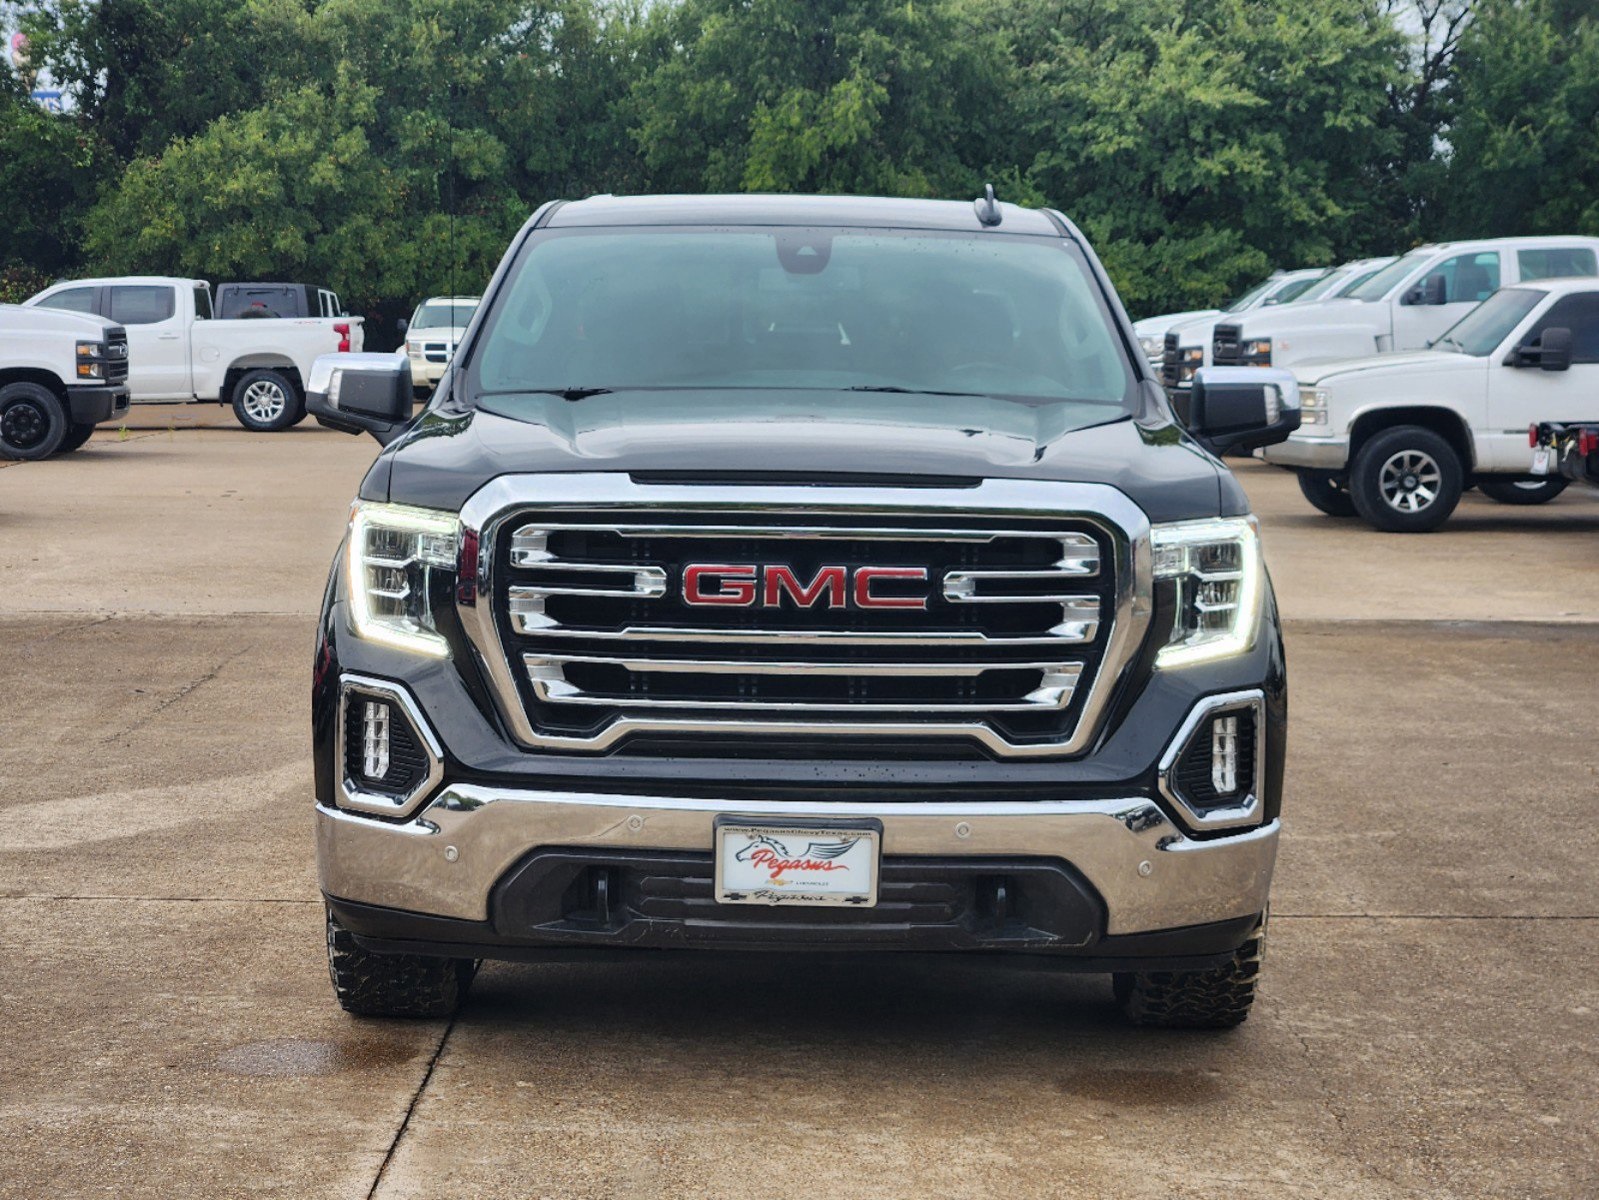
{"x":158,"y":343}
{"x":1467,"y":280}
{"x":1519,"y":396}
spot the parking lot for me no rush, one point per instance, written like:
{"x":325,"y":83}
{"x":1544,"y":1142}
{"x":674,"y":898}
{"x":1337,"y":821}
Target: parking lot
{"x":1430,"y":1011}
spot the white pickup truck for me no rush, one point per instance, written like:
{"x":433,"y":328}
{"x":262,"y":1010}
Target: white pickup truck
{"x":1280,"y":287}
{"x":1397,"y":437}
{"x":1402,"y":307}
{"x":178,"y":352}
{"x":61,"y":374}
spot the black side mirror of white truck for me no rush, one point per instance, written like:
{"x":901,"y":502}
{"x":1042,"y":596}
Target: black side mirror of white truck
{"x":1432,"y":290}
{"x":1551,"y":352}
{"x":361,"y":393}
{"x":1236,"y":409}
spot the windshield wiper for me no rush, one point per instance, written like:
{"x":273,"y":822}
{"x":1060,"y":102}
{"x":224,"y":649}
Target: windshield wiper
{"x":863,"y":387}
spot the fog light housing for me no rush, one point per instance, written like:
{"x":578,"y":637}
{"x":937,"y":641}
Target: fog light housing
{"x":1213,"y":769}
{"x":391,"y":759}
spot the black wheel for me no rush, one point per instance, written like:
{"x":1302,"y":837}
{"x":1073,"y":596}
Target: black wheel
{"x":77,"y":435}
{"x":1522,"y":491}
{"x":394,"y":985}
{"x":266,"y":401}
{"x":1327,"y":491}
{"x":1406,"y":480}
{"x":1219,"y":998}
{"x":33,"y":421}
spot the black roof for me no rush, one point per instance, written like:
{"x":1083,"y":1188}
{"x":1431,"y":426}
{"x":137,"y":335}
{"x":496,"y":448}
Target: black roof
{"x":858,"y":211}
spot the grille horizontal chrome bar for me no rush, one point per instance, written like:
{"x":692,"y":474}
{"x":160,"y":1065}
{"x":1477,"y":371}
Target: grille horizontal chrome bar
{"x":547,"y":673}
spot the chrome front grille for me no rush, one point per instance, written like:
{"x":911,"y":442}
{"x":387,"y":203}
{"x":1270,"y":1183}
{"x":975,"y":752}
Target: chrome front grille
{"x":1000,"y":628}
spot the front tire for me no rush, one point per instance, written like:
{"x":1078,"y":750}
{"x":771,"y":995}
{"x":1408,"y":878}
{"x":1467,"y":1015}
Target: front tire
{"x":394,"y":985}
{"x":1218,"y":998}
{"x":76,"y":437}
{"x":1522,"y":491}
{"x":1327,"y":491}
{"x":1406,"y":480}
{"x":33,"y":422}
{"x":266,"y":401}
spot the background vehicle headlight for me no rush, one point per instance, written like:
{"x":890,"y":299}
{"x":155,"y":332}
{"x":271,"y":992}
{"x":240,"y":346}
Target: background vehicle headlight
{"x":1216,"y":567}
{"x":1256,"y":352}
{"x":1153,"y":347}
{"x":398,"y":557}
{"x":1313,"y":406}
{"x":1189,"y":360}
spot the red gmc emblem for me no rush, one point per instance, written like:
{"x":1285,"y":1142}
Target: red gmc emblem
{"x":742,"y":585}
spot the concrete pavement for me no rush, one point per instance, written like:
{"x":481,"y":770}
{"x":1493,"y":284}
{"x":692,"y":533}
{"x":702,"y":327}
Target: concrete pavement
{"x":1428,"y":1019}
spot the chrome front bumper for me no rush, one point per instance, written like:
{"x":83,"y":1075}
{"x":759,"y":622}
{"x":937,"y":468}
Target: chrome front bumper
{"x":1324,"y":454}
{"x":446,"y":858}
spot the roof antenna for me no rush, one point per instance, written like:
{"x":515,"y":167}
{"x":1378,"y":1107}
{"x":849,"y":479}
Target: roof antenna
{"x":987,"y":207}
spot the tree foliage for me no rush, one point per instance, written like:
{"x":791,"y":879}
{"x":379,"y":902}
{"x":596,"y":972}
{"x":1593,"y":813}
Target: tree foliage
{"x":391,"y":147}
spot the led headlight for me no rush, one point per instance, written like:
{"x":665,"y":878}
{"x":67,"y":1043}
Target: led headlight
{"x":395,"y":554}
{"x":1215,"y":565}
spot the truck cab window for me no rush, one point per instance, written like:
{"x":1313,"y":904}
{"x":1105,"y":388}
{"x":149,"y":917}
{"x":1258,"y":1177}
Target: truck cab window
{"x":141,"y":304}
{"x":1469,"y":278}
{"x":202,"y":302}
{"x":1580,"y":314}
{"x":1557,"y":262}
{"x":78,"y":299}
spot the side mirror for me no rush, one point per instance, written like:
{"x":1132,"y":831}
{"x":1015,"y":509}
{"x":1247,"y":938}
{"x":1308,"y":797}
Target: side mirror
{"x":361,"y":393}
{"x":1236,"y":409}
{"x":1432,"y":290}
{"x":402,"y":325}
{"x":1551,"y":352}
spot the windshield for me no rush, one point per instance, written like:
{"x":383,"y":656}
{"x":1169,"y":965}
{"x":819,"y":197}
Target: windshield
{"x":1350,"y":286}
{"x":1249,"y":297}
{"x":792,"y":308}
{"x":1484,"y":327}
{"x":1384,"y":281}
{"x":439,"y":314}
{"x":1329,"y":283}
{"x":1292,"y":290}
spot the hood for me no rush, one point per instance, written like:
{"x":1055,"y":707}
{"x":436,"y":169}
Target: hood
{"x":1431,"y":362}
{"x":37,"y":319}
{"x":1158,"y":326}
{"x":449,"y":455}
{"x":1318,"y":314}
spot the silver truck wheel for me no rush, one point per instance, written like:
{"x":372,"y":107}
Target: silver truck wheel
{"x":33,"y":421}
{"x":266,"y":401}
{"x":1406,"y":480}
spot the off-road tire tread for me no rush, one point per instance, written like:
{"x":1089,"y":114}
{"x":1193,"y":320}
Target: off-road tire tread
{"x":394,"y":985}
{"x":1218,"y":998}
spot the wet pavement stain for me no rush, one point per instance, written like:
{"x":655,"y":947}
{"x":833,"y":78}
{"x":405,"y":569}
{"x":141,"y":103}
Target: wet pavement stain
{"x":1138,"y":1088}
{"x":291,"y":1057}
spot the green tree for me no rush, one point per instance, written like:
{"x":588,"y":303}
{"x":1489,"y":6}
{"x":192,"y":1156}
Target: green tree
{"x":50,"y":168}
{"x":1200,"y":142}
{"x":874,"y":96}
{"x":1524,"y":129}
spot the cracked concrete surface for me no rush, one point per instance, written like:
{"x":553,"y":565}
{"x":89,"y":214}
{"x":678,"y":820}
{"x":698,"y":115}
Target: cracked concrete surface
{"x":1428,"y":1020}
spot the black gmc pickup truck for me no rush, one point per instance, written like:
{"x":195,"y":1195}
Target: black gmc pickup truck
{"x":799,"y":574}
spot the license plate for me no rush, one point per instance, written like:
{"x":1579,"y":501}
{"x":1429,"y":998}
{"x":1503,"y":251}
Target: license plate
{"x":797,"y":864}
{"x":1540,"y":460}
